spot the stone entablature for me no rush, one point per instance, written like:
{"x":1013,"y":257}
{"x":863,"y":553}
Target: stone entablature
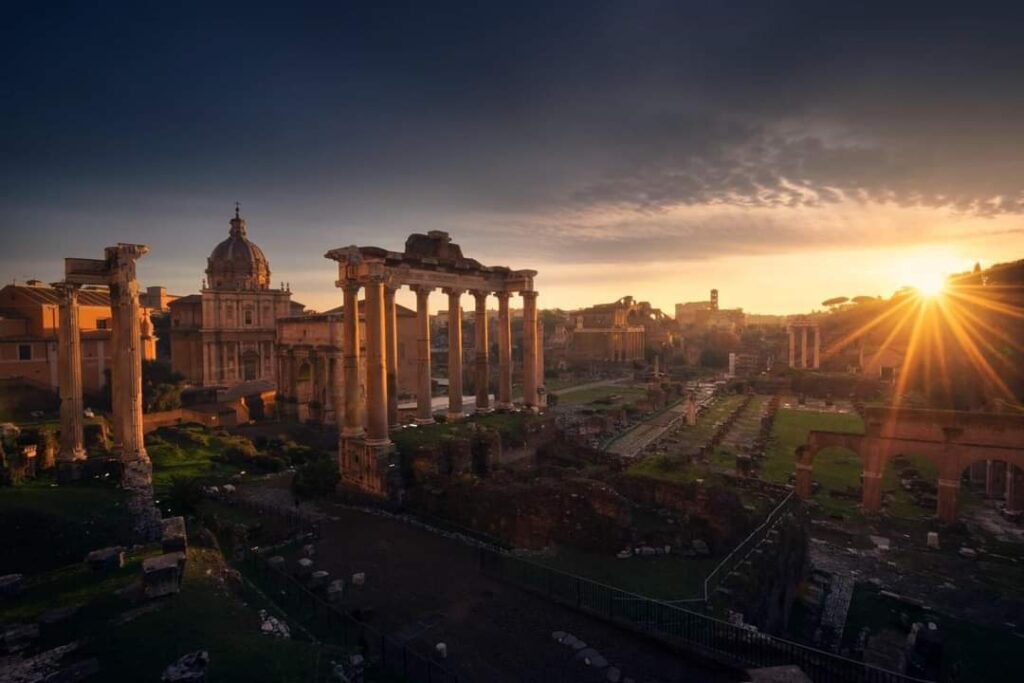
{"x":429,"y":262}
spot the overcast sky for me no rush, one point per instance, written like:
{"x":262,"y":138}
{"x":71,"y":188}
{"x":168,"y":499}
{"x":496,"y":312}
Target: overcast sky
{"x":781,"y":152}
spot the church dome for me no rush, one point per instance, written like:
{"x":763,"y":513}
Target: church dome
{"x":236,"y":263}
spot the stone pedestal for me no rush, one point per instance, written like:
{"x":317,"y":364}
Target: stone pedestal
{"x":370,"y":467}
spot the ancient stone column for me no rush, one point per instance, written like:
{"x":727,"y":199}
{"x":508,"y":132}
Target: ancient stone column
{"x":69,"y":360}
{"x":480,"y":350}
{"x":949,"y":492}
{"x":817,"y":348}
{"x":116,"y":384}
{"x":1014,"y":488}
{"x":353,"y":424}
{"x":454,"y":353}
{"x":804,"y":484}
{"x":542,"y":400}
{"x":504,"y":352}
{"x":128,"y":356}
{"x":792,"y":347}
{"x":803,"y":347}
{"x":529,"y":348}
{"x":871,"y":496}
{"x":376,"y":367}
{"x":391,"y":346}
{"x":424,"y":409}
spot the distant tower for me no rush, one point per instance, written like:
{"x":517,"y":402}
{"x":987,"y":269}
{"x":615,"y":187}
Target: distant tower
{"x":714,"y":299}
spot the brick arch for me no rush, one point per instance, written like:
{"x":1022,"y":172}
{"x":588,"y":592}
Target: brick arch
{"x":951,"y":440}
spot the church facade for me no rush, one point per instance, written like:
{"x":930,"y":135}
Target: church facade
{"x":226,"y":335}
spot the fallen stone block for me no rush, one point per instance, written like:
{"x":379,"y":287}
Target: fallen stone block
{"x":336,"y":590}
{"x":161,"y":575}
{"x":276,"y":562}
{"x":359,"y":579}
{"x":173,"y":537}
{"x":305,"y":568}
{"x":933,"y":540}
{"x":18,"y":637}
{"x":189,"y":669}
{"x":318,"y":579}
{"x":11,"y":585}
{"x":106,"y":559}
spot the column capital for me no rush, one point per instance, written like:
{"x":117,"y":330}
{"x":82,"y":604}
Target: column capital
{"x":453,"y":291}
{"x":503,"y":295}
{"x":422,"y":290}
{"x":480,"y":295}
{"x":66,"y":288}
{"x":352,"y":286}
{"x":529,"y":293}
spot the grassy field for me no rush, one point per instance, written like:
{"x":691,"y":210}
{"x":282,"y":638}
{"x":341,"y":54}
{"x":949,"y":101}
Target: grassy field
{"x":607,"y":395}
{"x":210,"y":615}
{"x":659,"y":577}
{"x":54,"y":525}
{"x":511,"y":426}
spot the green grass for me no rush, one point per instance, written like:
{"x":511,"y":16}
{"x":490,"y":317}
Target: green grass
{"x":511,"y":426}
{"x":616,"y":394}
{"x":659,"y":577}
{"x":51,"y":526}
{"x":206,"y":615}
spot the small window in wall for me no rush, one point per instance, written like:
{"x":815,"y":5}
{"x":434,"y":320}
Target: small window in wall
{"x":101,"y":324}
{"x":24,"y":352}
{"x":248,"y":316}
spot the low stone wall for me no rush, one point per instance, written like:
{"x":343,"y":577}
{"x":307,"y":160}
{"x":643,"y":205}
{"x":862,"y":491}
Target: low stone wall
{"x":170,"y":418}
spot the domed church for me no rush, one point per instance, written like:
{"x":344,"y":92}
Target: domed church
{"x":226,"y":334}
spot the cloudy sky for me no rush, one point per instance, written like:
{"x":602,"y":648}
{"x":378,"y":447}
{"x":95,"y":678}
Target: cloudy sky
{"x":783,"y":152}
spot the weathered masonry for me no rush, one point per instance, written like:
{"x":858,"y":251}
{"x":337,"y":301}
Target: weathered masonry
{"x":429,"y":262}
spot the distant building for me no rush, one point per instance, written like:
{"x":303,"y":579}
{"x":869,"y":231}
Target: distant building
{"x":226,"y":335}
{"x":707,"y":314}
{"x":156,"y":299}
{"x":29,"y":320}
{"x":606,"y":333}
{"x":309,"y":350}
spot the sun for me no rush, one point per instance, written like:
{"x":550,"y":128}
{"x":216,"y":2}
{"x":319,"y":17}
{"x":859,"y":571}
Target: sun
{"x":928,"y":283}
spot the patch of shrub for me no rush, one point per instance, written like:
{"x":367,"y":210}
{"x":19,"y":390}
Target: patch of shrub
{"x":317,"y":478}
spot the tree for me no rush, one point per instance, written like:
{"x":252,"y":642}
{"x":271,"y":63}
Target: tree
{"x":835,"y":301}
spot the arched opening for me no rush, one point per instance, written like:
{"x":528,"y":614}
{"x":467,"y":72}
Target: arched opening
{"x":250,"y":366}
{"x":992,"y":495}
{"x":837,"y":481}
{"x":910,"y":486}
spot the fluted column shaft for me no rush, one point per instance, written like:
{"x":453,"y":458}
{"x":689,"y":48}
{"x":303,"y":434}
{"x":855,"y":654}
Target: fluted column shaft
{"x":353,"y":425}
{"x":376,"y":367}
{"x":424,"y":409}
{"x":504,"y":352}
{"x":529,"y":348}
{"x":803,"y":347}
{"x":817,"y":348}
{"x":69,"y":359}
{"x":792,"y":347}
{"x":128,"y":360}
{"x":454,"y":353}
{"x":480,"y":351}
{"x":391,"y":347}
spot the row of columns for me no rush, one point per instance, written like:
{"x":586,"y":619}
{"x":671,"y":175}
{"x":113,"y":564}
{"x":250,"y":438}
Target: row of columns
{"x":380,"y":400}
{"x":126,"y":365}
{"x":804,"y":349}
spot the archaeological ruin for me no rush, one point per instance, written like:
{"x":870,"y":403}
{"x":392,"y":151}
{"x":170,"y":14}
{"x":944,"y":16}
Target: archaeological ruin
{"x":952,"y":440}
{"x":116,"y":271}
{"x":428,"y":262}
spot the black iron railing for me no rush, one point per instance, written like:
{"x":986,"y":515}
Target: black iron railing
{"x":679,"y":626}
{"x":384,"y":655}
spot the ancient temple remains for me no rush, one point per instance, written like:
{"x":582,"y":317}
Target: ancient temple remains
{"x":429,"y":262}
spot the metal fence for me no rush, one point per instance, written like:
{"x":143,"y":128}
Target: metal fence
{"x":679,"y":626}
{"x":743,"y":549}
{"x":330,"y":623}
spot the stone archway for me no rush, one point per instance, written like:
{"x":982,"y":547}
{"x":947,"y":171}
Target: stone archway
{"x":951,"y":440}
